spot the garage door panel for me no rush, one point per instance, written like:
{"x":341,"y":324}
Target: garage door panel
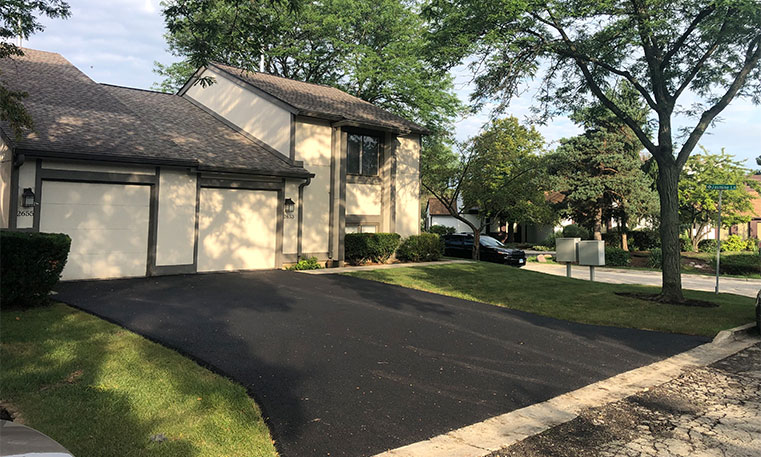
{"x":237,"y":229}
{"x":107,"y":223}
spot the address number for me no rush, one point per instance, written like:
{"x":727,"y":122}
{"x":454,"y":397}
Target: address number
{"x":25,"y":213}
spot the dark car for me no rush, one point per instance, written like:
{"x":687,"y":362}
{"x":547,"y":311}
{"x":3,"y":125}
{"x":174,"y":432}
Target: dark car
{"x":491,"y":250}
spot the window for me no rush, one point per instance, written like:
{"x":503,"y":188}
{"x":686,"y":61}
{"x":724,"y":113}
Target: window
{"x":361,"y":228}
{"x":363,"y":152}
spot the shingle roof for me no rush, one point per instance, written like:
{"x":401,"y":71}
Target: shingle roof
{"x":323,"y":101}
{"x":77,"y":117}
{"x":436,"y":208}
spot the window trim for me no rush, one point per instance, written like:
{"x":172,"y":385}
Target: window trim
{"x":357,"y":177}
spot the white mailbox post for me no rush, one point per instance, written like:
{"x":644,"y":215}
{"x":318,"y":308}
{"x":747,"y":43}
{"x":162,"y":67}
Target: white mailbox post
{"x":592,"y":253}
{"x":566,"y":251}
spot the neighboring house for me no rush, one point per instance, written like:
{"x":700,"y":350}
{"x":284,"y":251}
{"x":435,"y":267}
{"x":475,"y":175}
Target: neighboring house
{"x":437,"y":214}
{"x":251,"y":172}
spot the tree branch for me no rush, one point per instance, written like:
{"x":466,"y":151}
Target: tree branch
{"x":686,"y":34}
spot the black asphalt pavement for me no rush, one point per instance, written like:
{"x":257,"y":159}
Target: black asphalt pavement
{"x":347,"y":367}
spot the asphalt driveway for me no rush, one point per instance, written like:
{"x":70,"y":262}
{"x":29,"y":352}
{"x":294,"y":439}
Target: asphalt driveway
{"x":347,"y":367}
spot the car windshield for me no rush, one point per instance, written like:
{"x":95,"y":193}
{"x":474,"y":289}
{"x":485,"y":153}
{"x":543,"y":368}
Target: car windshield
{"x":491,"y":242}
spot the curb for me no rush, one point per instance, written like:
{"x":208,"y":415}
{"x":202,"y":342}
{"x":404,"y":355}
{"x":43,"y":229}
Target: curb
{"x":734,"y":334}
{"x":483,"y":438}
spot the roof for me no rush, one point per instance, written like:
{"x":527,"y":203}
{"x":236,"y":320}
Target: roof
{"x":75,"y":117}
{"x":436,"y":208}
{"x":321,"y":101}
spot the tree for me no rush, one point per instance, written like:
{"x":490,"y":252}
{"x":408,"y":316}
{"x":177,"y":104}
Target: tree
{"x":506,"y":179}
{"x":18,"y":19}
{"x":368,"y":48}
{"x":698,"y":207}
{"x":601,"y":171}
{"x":663,"y":48}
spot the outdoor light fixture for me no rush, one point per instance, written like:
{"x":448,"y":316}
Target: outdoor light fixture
{"x":290,"y":206}
{"x":27,"y":198}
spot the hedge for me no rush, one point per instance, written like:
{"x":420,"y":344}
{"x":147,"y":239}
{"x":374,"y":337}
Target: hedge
{"x":644,"y":240}
{"x":745,"y":263}
{"x":441,"y":230}
{"x":30,"y":265}
{"x":370,"y":247}
{"x":425,"y":247}
{"x":575,"y":231}
{"x":617,"y":257}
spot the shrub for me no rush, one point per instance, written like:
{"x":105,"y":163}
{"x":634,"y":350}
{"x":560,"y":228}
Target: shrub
{"x":745,"y":263}
{"x":369,"y":247}
{"x":441,"y":230}
{"x":733,"y":243}
{"x":655,"y":259}
{"x":685,"y":245}
{"x":707,"y":246}
{"x":425,"y":247}
{"x":575,"y":231}
{"x":751,"y":244}
{"x":612,"y":238}
{"x":540,"y":247}
{"x":30,"y":265}
{"x":310,"y":263}
{"x":617,"y":257}
{"x":550,"y":240}
{"x":644,"y":240}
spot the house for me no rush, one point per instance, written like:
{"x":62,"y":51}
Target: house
{"x":251,"y":172}
{"x":437,"y":214}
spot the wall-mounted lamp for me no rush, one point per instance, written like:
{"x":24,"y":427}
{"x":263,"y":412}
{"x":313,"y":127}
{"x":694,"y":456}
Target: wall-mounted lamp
{"x":27,"y":198}
{"x":290,"y":206}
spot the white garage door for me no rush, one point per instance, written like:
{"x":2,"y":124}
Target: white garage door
{"x":237,"y":229}
{"x":107,"y":223}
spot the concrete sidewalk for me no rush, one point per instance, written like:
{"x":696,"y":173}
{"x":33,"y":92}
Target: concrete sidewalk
{"x":739,"y":286}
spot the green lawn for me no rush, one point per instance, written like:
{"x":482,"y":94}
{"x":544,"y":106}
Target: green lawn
{"x":102,"y":391}
{"x":569,"y":299}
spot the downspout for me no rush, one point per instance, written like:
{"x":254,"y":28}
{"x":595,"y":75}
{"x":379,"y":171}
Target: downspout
{"x":301,"y":218}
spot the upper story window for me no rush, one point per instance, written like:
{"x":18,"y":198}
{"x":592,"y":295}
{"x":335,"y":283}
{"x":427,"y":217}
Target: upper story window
{"x":363,"y":154}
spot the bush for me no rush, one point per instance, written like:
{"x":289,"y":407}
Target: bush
{"x":550,"y":240}
{"x":733,"y":243}
{"x":655,"y":259}
{"x":369,"y":247}
{"x":575,"y":231}
{"x":441,"y":230}
{"x":612,"y":238}
{"x":685,"y":245}
{"x":425,"y":247}
{"x":617,"y":257}
{"x":751,"y":244}
{"x":30,"y":265}
{"x":707,"y":246}
{"x":644,"y":240}
{"x":746,"y":263}
{"x":310,"y":263}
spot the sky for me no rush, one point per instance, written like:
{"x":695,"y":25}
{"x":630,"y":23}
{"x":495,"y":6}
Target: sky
{"x":117,"y":42}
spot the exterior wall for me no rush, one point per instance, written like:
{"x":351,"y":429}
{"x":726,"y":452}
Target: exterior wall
{"x":6,"y":164}
{"x":175,"y":237}
{"x":449,"y":221}
{"x":27,"y":173}
{"x":291,"y":221}
{"x":241,"y":106}
{"x":363,"y":199}
{"x":313,"y":147}
{"x":407,"y":185}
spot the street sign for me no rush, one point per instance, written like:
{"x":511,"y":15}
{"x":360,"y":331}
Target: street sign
{"x":721,"y":186}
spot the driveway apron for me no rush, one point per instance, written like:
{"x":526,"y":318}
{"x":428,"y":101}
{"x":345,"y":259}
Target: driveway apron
{"x":348,"y":367}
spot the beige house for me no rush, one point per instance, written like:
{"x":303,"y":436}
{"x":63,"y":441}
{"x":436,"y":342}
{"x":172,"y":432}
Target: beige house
{"x":251,"y":172}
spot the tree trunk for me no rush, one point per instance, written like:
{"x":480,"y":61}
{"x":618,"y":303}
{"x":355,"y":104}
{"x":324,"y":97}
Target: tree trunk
{"x":624,"y":237}
{"x":476,"y":244}
{"x":598,"y":224}
{"x":510,"y":232}
{"x":668,"y":180}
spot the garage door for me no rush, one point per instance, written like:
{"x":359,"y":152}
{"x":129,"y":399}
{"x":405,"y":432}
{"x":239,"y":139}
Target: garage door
{"x":107,"y":223}
{"x":237,"y":229}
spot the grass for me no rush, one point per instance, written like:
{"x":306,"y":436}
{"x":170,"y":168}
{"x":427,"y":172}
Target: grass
{"x":101,"y":390}
{"x":570,"y":299}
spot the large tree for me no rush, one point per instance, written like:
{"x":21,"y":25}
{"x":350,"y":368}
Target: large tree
{"x":369,"y":48}
{"x":663,"y":48}
{"x":19,"y":19}
{"x":698,"y":207}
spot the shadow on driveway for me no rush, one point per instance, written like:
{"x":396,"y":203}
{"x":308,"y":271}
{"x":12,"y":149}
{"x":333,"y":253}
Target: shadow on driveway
{"x":349,"y":367}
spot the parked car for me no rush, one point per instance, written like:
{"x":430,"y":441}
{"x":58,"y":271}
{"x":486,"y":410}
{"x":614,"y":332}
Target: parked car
{"x":491,"y":250}
{"x":18,"y":440}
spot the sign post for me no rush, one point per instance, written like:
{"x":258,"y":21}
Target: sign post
{"x":719,"y":187}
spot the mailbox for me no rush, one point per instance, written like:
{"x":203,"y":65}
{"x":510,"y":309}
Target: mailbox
{"x":592,"y":253}
{"x":565,"y":249}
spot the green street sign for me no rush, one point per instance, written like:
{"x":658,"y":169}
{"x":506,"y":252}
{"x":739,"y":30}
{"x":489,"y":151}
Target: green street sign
{"x":721,"y":186}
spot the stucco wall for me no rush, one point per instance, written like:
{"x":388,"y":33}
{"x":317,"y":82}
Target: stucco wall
{"x":26,"y":176}
{"x":313,"y":147}
{"x":408,"y":185}
{"x":252,"y":113}
{"x":363,"y":199}
{"x":6,"y":162}
{"x":176,"y":217}
{"x":291,"y":221}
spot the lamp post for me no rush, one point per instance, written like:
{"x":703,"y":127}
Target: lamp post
{"x":720,"y":188}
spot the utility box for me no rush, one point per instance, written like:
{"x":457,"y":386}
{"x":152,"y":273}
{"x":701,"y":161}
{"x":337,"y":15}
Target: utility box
{"x":566,"y":249}
{"x":592,"y":253}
